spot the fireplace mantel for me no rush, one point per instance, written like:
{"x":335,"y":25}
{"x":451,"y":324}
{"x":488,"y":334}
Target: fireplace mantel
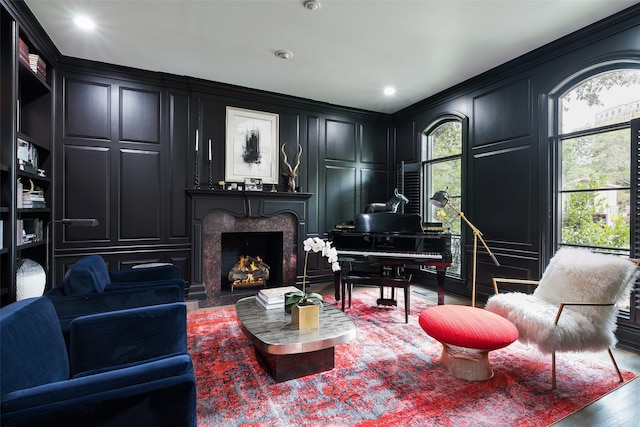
{"x":252,"y":204}
{"x":239,"y":204}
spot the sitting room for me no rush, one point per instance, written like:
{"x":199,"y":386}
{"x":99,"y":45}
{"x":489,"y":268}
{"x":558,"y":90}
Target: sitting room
{"x":314,"y":212}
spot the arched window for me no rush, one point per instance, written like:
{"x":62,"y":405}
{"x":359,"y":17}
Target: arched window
{"x":592,"y":144}
{"x":441,"y":170}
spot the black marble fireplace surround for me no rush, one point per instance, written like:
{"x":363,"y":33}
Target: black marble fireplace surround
{"x":214,"y":212}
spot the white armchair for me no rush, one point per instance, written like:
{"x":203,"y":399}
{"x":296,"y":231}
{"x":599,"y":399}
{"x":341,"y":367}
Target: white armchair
{"x":573,"y":307}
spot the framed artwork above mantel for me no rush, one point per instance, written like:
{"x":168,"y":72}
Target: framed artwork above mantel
{"x":251,"y":145}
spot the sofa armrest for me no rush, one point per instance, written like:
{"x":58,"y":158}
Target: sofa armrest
{"x":124,"y":337}
{"x":100,"y":393}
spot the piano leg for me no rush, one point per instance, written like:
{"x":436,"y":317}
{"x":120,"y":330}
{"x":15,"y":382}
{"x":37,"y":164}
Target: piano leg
{"x":440,"y":275}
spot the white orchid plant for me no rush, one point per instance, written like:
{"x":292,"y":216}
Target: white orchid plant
{"x":312,"y":244}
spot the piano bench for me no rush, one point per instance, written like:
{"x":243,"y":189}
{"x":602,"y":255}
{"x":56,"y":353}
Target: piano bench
{"x":372,"y":279}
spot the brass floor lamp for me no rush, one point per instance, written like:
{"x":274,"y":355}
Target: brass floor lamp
{"x":440,"y":199}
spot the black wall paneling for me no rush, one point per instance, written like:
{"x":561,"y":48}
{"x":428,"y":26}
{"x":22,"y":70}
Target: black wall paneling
{"x":140,"y":115}
{"x":502,"y":179}
{"x":502,"y":114}
{"x":508,"y":160}
{"x":140,"y":195}
{"x":341,"y":140}
{"x":176,"y":163}
{"x":406,"y":149}
{"x":87,"y":109}
{"x":86,"y":183}
{"x":341,"y":194}
{"x":122,"y":159}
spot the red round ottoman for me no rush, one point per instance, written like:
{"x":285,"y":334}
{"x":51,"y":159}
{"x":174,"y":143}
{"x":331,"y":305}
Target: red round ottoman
{"x":467,"y":335}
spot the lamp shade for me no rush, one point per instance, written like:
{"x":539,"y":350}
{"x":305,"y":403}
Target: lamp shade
{"x":440,"y":199}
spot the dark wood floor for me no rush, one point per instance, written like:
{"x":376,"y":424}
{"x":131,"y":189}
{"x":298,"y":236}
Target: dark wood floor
{"x":621,"y":408}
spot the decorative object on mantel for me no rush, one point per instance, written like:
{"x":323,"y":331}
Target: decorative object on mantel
{"x":253,"y":184}
{"x":210,"y":158}
{"x":293,"y":171}
{"x":305,"y":307}
{"x":196,"y":176}
{"x":273,"y":188}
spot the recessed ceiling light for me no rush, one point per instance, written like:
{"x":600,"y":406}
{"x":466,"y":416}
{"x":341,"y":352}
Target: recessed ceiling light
{"x":84,"y":22}
{"x":283,"y":54}
{"x":312,"y":5}
{"x":389,"y":90}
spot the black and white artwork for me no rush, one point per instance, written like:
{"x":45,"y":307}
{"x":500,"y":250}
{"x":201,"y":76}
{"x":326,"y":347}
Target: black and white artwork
{"x":251,"y":146}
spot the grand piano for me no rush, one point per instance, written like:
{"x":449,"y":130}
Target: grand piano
{"x":392,"y":241}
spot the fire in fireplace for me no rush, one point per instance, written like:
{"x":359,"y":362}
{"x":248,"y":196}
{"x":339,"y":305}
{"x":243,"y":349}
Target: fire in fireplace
{"x":238,"y":245}
{"x":249,"y":271}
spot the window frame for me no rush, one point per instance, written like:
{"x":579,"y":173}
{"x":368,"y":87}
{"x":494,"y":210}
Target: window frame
{"x":555,"y":155}
{"x":427,"y":189}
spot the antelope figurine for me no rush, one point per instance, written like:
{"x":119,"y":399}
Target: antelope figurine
{"x":390,"y":206}
{"x":293,"y":171}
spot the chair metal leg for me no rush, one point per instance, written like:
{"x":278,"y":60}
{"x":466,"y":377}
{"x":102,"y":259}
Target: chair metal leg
{"x":615,"y":365}
{"x":553,"y":370}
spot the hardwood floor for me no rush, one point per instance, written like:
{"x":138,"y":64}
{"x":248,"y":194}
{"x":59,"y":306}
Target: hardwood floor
{"x":620,"y":408}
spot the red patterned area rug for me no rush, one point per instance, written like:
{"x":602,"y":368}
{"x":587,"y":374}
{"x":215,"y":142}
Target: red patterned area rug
{"x":387,"y":375}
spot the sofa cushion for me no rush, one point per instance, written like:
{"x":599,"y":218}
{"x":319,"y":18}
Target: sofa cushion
{"x":33,"y":351}
{"x":88,"y":275}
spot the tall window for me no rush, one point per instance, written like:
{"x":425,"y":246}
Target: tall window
{"x":441,"y":170}
{"x":594,"y":162}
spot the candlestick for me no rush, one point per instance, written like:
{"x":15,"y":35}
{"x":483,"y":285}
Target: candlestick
{"x":210,"y":177}
{"x":209,"y":149}
{"x":196,"y":140}
{"x":196,"y":176}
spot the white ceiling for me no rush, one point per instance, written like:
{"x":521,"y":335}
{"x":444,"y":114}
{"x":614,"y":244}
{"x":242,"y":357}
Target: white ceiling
{"x":345,"y":53}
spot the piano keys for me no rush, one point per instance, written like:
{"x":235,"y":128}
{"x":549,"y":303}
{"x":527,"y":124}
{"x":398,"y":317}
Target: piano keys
{"x":392,"y":239}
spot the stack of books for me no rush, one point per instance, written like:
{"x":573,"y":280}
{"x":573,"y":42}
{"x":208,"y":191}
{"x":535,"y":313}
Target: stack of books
{"x":273,"y":298}
{"x":33,"y":200}
{"x":37,"y":65}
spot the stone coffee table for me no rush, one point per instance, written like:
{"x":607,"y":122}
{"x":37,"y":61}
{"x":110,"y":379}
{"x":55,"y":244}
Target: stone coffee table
{"x":286,"y":352}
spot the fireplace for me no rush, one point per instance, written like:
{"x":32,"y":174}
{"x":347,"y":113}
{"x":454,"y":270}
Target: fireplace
{"x":227,"y":224}
{"x":256,"y":251}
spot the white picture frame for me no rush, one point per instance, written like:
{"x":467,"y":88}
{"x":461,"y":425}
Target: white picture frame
{"x":251,"y":145}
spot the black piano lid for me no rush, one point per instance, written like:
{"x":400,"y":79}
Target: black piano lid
{"x":385,"y":222}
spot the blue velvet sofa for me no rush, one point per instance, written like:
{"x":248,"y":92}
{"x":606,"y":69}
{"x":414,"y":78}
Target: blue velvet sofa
{"x":123,"y":368}
{"x":88,"y":287}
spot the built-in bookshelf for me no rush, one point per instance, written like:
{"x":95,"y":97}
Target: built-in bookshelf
{"x":26,"y":156}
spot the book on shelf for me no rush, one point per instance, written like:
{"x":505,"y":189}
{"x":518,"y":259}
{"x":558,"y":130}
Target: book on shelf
{"x":37,"y":65}
{"x":24,"y":51}
{"x":33,"y":199}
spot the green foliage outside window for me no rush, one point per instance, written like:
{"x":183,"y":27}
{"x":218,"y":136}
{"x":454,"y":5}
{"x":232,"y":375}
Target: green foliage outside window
{"x":596,"y":161}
